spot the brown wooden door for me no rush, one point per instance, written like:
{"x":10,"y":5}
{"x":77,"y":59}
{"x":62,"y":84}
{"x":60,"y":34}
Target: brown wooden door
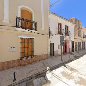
{"x":27,"y":47}
{"x":22,"y":47}
{"x":26,"y":15}
{"x":65,"y":47}
{"x":30,"y":47}
{"x":72,"y":46}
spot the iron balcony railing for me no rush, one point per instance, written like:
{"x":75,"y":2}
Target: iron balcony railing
{"x":26,"y":24}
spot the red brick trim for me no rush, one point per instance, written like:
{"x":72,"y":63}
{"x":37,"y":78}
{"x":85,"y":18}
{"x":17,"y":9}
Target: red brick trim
{"x":16,"y":63}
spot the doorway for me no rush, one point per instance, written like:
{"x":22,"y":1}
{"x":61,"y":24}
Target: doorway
{"x":72,"y":46}
{"x":51,"y":49}
{"x":27,"y":48}
{"x":65,"y":47}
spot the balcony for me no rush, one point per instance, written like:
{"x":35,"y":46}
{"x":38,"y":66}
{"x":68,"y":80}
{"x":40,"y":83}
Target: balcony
{"x":26,"y":24}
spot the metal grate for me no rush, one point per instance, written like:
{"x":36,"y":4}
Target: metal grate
{"x":23,"y":23}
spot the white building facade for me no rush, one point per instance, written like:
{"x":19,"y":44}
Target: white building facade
{"x":60,"y":27}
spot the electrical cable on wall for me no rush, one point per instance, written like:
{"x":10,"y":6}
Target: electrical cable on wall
{"x":56,"y":2}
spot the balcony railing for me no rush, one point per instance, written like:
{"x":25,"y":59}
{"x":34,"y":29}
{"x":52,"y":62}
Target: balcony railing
{"x":26,"y":24}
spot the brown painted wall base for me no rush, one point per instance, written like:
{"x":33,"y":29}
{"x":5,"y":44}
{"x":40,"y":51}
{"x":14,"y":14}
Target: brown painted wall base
{"x":16,"y":63}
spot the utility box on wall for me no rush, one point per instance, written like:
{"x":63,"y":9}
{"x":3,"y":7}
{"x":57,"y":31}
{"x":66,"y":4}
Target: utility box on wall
{"x":12,"y":49}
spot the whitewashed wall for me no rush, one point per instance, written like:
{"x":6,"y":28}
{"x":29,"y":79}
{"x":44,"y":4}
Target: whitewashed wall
{"x":53,"y":23}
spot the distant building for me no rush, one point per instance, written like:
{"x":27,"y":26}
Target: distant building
{"x":84,"y":38}
{"x":60,"y":26}
{"x":23,"y":32}
{"x":78,"y":36}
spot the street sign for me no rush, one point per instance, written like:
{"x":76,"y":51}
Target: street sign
{"x":62,"y":40}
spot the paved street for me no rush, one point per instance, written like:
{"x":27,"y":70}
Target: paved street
{"x":43,"y":43}
{"x":74,"y":74}
{"x":52,"y":63}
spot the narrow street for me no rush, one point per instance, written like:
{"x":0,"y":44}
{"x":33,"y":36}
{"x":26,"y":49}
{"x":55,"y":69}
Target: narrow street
{"x":72,"y":74}
{"x":43,"y":43}
{"x":58,"y":74}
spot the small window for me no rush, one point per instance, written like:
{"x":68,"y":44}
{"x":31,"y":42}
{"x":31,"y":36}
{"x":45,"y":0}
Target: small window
{"x":60,"y":28}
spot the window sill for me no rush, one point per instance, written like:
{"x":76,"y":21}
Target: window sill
{"x":20,"y":29}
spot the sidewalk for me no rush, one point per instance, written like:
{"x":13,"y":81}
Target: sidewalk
{"x":6,"y":77}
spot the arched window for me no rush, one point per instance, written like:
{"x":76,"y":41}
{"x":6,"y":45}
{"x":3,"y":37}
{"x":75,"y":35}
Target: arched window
{"x":27,"y":18}
{"x":26,"y":13}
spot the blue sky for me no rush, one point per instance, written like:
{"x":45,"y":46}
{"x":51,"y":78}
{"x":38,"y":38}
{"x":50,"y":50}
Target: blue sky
{"x":70,"y":8}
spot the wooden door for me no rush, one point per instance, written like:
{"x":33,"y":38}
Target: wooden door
{"x":76,"y":46}
{"x":30,"y":47}
{"x":65,"y":47}
{"x":72,"y":46}
{"x":51,"y":49}
{"x":27,"y":47}
{"x":25,"y":14}
{"x":84,"y":45}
